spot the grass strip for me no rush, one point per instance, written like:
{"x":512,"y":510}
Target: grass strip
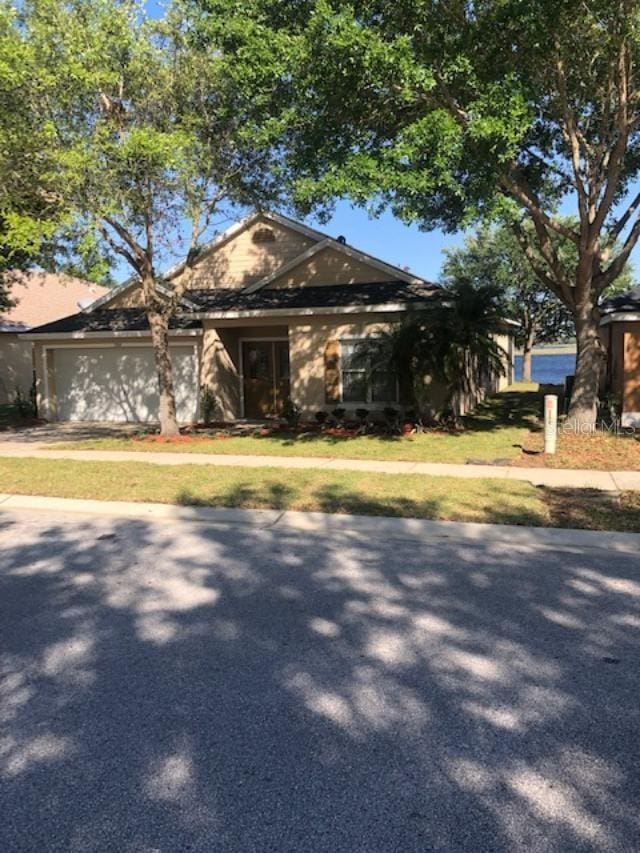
{"x":404,"y":495}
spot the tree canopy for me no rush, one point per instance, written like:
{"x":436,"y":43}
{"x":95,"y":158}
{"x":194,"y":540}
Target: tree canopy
{"x":145,"y":140}
{"x":453,"y":112}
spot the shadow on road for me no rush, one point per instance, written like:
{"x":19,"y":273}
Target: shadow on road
{"x":183,"y":687}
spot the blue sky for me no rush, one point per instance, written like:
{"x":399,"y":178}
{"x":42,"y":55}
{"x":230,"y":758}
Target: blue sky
{"x":390,"y":240}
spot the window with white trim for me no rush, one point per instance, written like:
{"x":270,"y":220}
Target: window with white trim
{"x":363,"y":379}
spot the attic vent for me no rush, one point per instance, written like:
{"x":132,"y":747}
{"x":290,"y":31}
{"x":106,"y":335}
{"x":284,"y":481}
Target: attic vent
{"x":264,"y":235}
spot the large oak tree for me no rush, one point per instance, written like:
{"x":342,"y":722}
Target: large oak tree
{"x":453,"y":111}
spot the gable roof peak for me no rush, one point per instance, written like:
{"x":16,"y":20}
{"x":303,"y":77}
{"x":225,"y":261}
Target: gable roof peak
{"x":340,"y":245}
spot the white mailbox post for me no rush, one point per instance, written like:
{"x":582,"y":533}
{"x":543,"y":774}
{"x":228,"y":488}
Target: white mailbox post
{"x":550,"y":422}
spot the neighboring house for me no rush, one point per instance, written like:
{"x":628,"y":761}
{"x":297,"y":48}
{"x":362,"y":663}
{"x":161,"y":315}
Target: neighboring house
{"x":620,"y":330}
{"x":273,"y":310}
{"x":39,"y":298}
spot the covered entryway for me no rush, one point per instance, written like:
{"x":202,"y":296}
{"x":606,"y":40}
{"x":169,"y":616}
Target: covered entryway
{"x":119,"y":383}
{"x":265,"y":376}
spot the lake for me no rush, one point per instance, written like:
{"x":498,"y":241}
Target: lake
{"x":548,"y":369}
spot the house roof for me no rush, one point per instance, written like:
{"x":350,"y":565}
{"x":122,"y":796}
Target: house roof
{"x":316,"y":296}
{"x":111,"y":320}
{"x":42,"y":297}
{"x":629,"y":301}
{"x":376,"y":295}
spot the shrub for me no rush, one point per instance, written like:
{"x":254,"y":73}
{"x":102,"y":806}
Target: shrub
{"x":290,"y":412}
{"x":23,"y":405}
{"x":390,"y":414}
{"x":208,"y":404}
{"x":339,"y":415}
{"x":321,"y":417}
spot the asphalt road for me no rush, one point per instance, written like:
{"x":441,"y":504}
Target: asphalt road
{"x":174,"y":687}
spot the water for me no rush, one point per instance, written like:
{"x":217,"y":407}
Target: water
{"x":548,"y":369}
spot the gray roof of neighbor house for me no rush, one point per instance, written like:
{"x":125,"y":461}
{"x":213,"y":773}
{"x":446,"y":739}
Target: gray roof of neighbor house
{"x":624,"y":302}
{"x":228,"y":300}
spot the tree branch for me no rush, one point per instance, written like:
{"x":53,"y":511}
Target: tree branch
{"x":519,"y":189}
{"x":613,"y":163}
{"x":621,"y":223}
{"x":616,"y":266}
{"x":118,"y":248}
{"x":200,"y":222}
{"x":571,"y":134}
{"x":134,"y":247}
{"x":534,"y":261}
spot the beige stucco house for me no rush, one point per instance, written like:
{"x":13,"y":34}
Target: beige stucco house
{"x":38,"y":298}
{"x":273,"y":310}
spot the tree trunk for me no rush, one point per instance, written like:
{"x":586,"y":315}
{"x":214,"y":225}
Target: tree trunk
{"x":589,"y":364}
{"x":527,"y":349}
{"x":159,"y":327}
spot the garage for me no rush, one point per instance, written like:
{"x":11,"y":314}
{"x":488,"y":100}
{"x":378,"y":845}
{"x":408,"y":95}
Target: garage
{"x":119,"y":383}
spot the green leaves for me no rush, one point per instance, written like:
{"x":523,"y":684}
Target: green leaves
{"x":134,"y":127}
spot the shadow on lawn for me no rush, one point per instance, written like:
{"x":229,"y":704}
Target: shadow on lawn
{"x":243,"y":496}
{"x":556,"y":507}
{"x":511,"y":409}
{"x":171,"y":687}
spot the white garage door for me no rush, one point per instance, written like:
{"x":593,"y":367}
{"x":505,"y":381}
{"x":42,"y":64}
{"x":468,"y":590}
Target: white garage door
{"x":120,"y":384}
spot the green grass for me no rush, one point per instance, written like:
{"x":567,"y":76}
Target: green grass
{"x":335,"y":492}
{"x":495,"y":432}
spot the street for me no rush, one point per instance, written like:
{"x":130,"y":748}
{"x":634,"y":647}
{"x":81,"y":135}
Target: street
{"x":175,"y":686}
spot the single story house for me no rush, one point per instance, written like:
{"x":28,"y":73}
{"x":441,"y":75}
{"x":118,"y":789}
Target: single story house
{"x":273,"y":310}
{"x":620,"y":331}
{"x":39,"y":298}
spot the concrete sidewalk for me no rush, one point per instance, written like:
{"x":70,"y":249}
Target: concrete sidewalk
{"x":332,"y":525}
{"x":605,"y":481}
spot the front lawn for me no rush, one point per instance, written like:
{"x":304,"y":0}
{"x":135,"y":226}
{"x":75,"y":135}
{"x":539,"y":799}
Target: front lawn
{"x":405,"y":495}
{"x":495,"y":433}
{"x":601,"y":451}
{"x":504,"y":430}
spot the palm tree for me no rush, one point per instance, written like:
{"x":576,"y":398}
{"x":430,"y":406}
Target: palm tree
{"x":452,"y":342}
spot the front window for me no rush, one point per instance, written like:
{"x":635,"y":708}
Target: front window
{"x":364,"y":378}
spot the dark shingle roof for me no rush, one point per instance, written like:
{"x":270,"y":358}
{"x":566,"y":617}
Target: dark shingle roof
{"x":220,"y":300}
{"x":327,"y":296}
{"x":110,"y":320}
{"x":629,"y":301}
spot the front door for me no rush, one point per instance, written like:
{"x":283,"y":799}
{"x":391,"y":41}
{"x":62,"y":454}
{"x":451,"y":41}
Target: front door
{"x":265,"y":368}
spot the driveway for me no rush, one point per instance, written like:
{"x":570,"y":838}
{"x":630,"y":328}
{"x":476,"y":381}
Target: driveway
{"x":170,"y":687}
{"x":48,"y":433}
